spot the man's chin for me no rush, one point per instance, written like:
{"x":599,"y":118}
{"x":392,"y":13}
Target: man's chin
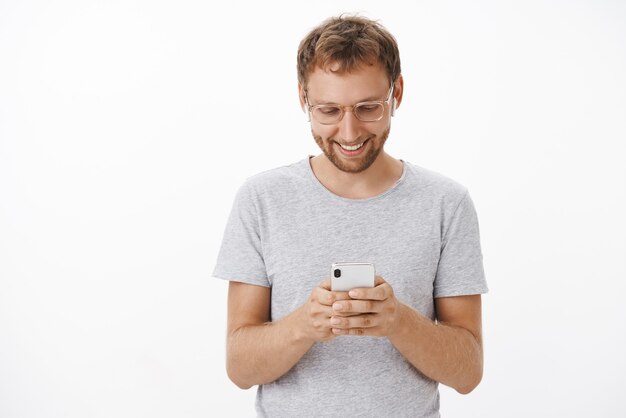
{"x":353,"y":165}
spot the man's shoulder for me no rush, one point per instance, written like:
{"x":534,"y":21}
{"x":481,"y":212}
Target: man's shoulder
{"x":277,"y":180}
{"x":434,"y":183}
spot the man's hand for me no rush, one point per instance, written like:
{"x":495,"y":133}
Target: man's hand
{"x":368,"y":311}
{"x":318,"y":310}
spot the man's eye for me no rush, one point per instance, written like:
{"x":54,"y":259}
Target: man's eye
{"x":368,"y":108}
{"x":328,"y":111}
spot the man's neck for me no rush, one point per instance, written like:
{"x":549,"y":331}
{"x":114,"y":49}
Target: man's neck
{"x":384,"y":172}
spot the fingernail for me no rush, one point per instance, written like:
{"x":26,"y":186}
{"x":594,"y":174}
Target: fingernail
{"x":335,"y":321}
{"x":337,"y":306}
{"x":353,"y":293}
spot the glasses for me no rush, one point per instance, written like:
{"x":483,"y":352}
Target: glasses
{"x":331,"y":113}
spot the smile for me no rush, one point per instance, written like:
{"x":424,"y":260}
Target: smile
{"x":353,"y":147}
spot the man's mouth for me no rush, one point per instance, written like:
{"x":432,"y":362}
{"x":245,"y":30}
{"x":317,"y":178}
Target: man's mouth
{"x":352,"y":147}
{"x":352,"y":150}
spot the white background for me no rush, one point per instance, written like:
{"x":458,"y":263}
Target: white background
{"x":127,"y":126}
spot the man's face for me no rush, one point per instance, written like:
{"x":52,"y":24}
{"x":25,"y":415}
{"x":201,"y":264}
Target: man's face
{"x":366,"y":83}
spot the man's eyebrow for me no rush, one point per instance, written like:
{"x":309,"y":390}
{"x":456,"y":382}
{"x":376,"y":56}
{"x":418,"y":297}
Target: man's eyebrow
{"x":367,"y":99}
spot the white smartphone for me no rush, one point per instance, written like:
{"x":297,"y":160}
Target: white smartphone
{"x":346,"y":276}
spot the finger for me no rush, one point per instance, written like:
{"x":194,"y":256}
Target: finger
{"x":358,"y":306}
{"x":327,"y":297}
{"x":380,"y":292}
{"x":373,"y":293}
{"x":345,"y":314}
{"x":352,"y":331}
{"x":323,"y":310}
{"x":342,"y":296}
{"x":324,"y":297}
{"x":323,"y":294}
{"x":357,"y":321}
{"x":325,"y":284}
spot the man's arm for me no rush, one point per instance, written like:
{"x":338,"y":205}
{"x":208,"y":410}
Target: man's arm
{"x":448,"y":351}
{"x":259,"y":351}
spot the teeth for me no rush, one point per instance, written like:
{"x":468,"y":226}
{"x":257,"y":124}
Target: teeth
{"x":353,"y":147}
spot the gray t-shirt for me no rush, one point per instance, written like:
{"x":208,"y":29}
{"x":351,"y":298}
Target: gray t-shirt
{"x":286,"y":229}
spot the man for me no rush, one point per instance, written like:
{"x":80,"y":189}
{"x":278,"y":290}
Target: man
{"x":377,"y":351}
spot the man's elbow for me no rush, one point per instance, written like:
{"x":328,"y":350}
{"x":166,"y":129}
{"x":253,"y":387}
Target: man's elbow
{"x":232,"y":375}
{"x":475,"y":373}
{"x":464,"y":390}
{"x":240,"y":384}
{"x":233,"y":364}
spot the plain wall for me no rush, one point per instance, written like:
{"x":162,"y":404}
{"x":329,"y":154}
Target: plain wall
{"x":126,"y":128}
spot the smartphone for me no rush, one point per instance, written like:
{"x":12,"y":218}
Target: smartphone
{"x":346,"y":276}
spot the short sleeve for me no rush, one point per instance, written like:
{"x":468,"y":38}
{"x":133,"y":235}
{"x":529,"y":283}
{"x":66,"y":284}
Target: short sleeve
{"x":460,"y":270}
{"x":241,"y":254}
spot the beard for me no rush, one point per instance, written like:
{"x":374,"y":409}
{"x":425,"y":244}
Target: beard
{"x":375,"y":143}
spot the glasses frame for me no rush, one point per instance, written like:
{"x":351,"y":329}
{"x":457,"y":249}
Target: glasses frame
{"x":344,"y":109}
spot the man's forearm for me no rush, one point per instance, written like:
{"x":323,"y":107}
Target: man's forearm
{"x":450,"y":355}
{"x":259,"y":354}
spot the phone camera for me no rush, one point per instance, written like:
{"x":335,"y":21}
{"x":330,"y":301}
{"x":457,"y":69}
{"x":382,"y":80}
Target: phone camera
{"x":337,"y":273}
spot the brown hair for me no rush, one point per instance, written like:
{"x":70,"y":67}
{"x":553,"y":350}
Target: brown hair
{"x":350,"y":41}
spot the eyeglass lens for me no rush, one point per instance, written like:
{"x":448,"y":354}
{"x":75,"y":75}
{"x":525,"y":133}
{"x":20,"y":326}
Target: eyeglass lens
{"x":366,"y":112}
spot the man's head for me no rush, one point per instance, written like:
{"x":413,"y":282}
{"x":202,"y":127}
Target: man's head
{"x":352,"y":62}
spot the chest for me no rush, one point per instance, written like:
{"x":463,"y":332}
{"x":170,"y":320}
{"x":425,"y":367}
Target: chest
{"x":301,"y":243}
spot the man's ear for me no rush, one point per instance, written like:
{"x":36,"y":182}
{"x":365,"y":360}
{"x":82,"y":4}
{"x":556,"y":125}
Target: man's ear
{"x":303,"y":106}
{"x":398,"y":90}
{"x":301,"y":96}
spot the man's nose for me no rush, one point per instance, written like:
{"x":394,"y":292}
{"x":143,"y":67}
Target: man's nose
{"x":349,"y":126}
